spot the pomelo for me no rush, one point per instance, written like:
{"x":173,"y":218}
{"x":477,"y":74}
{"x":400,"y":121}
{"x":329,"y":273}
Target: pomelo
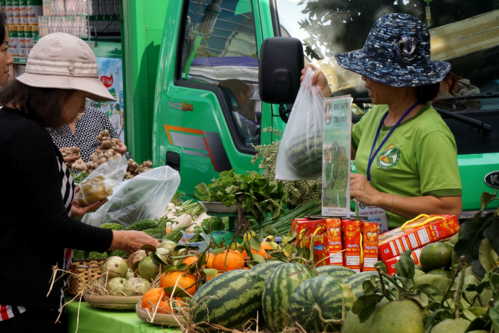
{"x":436,"y":255}
{"x":458,"y":325}
{"x":399,"y":316}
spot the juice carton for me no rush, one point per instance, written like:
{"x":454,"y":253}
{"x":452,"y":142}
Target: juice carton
{"x":315,"y":233}
{"x":415,"y":233}
{"x":351,"y":244}
{"x":390,"y":263}
{"x":333,"y":241}
{"x":370,"y":233}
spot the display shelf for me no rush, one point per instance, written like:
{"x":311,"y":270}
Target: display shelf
{"x":20,"y":61}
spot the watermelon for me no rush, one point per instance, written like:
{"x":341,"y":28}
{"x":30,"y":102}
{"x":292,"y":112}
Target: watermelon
{"x":278,"y":289}
{"x":337,"y":272}
{"x":266,"y":268}
{"x":354,"y":282}
{"x":230,"y":300}
{"x":320,"y":297}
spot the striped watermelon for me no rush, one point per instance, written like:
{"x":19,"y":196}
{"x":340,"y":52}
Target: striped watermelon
{"x":230,"y":300}
{"x":266,"y":268}
{"x":354,"y":282}
{"x":324,"y":294}
{"x":337,"y":272}
{"x":278,"y":289}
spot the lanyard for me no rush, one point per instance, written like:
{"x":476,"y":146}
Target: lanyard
{"x":372,"y":156}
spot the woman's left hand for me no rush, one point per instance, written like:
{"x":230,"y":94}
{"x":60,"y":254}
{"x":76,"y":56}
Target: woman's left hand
{"x":78,"y":211}
{"x":120,"y":147}
{"x":361,"y":190}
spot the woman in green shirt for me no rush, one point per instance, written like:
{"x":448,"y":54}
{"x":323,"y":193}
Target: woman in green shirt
{"x":405,"y":155}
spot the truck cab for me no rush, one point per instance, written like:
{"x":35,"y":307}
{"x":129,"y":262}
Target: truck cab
{"x":208,"y":115}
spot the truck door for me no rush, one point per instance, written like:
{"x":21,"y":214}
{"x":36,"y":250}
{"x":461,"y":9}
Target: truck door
{"x":208,"y":114}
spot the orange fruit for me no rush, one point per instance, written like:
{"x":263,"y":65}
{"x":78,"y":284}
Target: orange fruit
{"x":186,"y":281}
{"x":209,"y":260}
{"x":212,"y":277}
{"x":154,"y":295}
{"x":164,"y":306}
{"x":235,"y":260}
{"x":264,"y":246}
{"x":168,"y":230}
{"x":190,"y":260}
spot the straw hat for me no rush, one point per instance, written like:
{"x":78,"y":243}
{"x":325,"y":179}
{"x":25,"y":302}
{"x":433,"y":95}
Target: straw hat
{"x":63,"y":61}
{"x":396,"y":53}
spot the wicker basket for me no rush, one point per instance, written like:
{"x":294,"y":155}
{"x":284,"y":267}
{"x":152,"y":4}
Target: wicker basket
{"x":87,"y":269}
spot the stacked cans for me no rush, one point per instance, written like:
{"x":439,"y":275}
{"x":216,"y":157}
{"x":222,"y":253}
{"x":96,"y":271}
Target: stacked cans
{"x":22,"y":24}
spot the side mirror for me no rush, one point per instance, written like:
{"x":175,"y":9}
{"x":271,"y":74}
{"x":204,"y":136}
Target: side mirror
{"x":281,"y":62}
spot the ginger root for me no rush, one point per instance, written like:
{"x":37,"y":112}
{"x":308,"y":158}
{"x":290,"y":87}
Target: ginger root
{"x":75,"y":151}
{"x":79,"y":165}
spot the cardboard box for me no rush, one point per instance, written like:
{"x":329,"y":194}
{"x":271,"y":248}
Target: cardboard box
{"x":333,"y":241}
{"x":390,"y":263}
{"x":370,"y":234}
{"x":416,"y":233}
{"x":351,"y":244}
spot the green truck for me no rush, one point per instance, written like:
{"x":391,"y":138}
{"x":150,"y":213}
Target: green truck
{"x":206,"y":114}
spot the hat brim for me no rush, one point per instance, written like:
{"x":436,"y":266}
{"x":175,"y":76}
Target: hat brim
{"x":391,"y":73}
{"x":93,"y":86}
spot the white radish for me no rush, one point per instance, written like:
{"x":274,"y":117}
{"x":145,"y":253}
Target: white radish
{"x":197,"y":222}
{"x":169,"y":208}
{"x":182,"y":221}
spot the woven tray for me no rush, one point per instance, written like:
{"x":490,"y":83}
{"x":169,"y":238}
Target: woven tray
{"x":161,"y":319}
{"x":87,"y":269}
{"x":112,"y":302}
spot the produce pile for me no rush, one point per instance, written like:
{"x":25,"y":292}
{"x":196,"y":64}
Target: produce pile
{"x":105,"y":152}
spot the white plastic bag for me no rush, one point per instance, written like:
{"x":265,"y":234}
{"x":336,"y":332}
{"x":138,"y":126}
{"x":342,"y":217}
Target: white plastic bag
{"x":300,"y":151}
{"x":101,"y":182}
{"x":143,"y":197}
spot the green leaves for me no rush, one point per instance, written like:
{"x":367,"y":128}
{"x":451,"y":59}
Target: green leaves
{"x":252,"y":191}
{"x":405,"y":266}
{"x":364,"y":306}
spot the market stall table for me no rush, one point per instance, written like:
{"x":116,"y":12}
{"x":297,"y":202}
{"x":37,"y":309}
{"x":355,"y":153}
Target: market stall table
{"x":94,"y":320}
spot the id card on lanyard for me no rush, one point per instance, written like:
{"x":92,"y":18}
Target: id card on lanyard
{"x":373,"y":213}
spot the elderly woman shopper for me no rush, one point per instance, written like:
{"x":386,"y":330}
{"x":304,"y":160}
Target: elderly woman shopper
{"x":36,"y":230}
{"x":405,"y":155}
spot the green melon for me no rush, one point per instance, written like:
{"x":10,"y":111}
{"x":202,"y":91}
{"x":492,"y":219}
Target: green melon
{"x":441,"y":272}
{"x":319,"y":297}
{"x":230,"y":300}
{"x":352,"y":322}
{"x":354,"y":282}
{"x":337,"y":272}
{"x":436,"y":255}
{"x":458,"y":325}
{"x":266,"y":268}
{"x":399,"y":316}
{"x":278,"y":289}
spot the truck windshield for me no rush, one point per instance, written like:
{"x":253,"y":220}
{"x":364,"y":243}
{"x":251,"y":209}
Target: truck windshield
{"x":463,"y":33}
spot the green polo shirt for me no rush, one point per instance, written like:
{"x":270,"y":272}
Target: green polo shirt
{"x":418,"y":159}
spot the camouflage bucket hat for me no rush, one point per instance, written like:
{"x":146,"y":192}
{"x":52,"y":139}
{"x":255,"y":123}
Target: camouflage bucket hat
{"x":396,"y":53}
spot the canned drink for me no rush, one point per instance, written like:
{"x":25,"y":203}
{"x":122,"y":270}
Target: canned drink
{"x":21,"y":41}
{"x":23,"y":7}
{"x":28,"y":50}
{"x":13,"y":37}
{"x":3,"y":4}
{"x":35,"y":9}
{"x":28,"y":36}
{"x":22,"y":52}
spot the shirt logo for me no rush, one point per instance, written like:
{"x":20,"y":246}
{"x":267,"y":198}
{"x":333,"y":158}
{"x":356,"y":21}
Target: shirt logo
{"x":389,"y":158}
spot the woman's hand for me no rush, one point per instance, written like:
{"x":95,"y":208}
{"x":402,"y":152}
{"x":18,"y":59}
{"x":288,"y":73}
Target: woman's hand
{"x":78,"y":211}
{"x":68,"y":159}
{"x":120,"y":147}
{"x":361,"y":190}
{"x":319,"y":79}
{"x":130,"y":241}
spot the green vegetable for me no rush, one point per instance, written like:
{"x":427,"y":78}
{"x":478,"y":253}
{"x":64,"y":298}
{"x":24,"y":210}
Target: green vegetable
{"x":78,"y":254}
{"x":79,"y":177}
{"x":175,"y":235}
{"x":117,"y":253}
{"x":142,"y":225}
{"x":112,"y":226}
{"x":253,"y":191}
{"x":97,"y":255}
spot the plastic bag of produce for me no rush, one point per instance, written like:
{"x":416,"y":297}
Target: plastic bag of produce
{"x":101,"y":182}
{"x":144,"y":197}
{"x":300,"y":151}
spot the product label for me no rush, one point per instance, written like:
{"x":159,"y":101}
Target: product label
{"x":334,"y":241}
{"x":351,"y":243}
{"x":374,"y":214}
{"x":370,"y":235}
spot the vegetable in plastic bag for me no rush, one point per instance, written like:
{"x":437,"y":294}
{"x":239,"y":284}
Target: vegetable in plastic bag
{"x":300,"y":151}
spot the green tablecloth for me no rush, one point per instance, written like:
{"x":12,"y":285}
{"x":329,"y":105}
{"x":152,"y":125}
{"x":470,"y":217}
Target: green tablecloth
{"x":94,"y":320}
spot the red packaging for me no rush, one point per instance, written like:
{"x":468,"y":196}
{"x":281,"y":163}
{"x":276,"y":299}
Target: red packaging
{"x":370,"y":233}
{"x":390,"y":263}
{"x":351,"y":244}
{"x":416,"y":233}
{"x":333,"y":244}
{"x":304,"y":238}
